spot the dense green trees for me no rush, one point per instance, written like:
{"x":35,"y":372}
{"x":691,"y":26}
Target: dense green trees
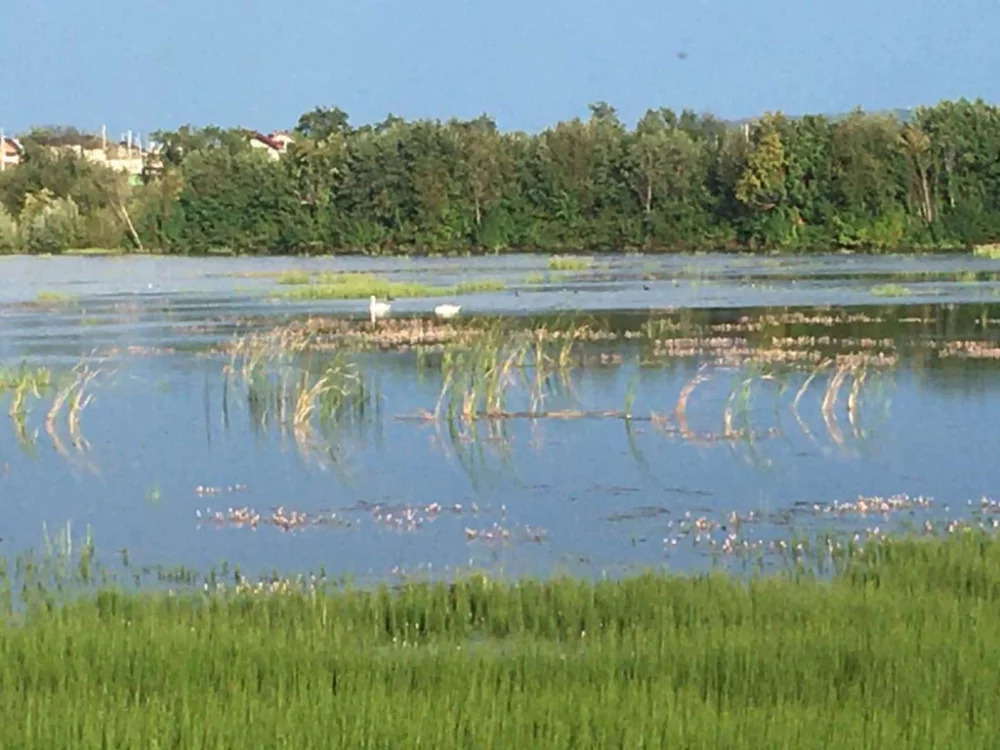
{"x":672,"y":182}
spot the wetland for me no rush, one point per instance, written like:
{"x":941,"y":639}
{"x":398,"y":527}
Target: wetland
{"x":595,"y":415}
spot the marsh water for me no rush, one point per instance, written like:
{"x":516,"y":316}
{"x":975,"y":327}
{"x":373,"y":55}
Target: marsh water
{"x":716,"y":434}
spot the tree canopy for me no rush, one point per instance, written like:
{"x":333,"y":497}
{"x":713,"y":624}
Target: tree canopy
{"x":675,"y":181}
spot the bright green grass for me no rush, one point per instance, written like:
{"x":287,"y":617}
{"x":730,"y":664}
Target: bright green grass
{"x":988,"y":251}
{"x":569,"y":263}
{"x":890,"y":290}
{"x":363,"y":285}
{"x":900,"y":650}
{"x":46,"y":297}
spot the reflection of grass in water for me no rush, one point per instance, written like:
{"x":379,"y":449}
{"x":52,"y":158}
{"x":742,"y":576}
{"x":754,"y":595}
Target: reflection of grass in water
{"x":890,"y":290}
{"x":688,"y":659}
{"x":570,"y":263}
{"x":363,"y":285}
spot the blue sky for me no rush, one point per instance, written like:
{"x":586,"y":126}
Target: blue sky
{"x":146,"y":65}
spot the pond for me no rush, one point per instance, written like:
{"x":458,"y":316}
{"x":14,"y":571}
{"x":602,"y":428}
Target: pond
{"x":625,"y":413}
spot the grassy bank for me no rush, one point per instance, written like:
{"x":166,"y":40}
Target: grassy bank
{"x":902,"y":649}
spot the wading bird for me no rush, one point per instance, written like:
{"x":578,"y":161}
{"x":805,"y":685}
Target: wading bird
{"x":447,"y":310}
{"x":377,"y":309}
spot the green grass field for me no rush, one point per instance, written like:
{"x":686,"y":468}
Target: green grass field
{"x":902,"y":649}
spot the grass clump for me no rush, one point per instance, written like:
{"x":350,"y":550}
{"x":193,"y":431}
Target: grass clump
{"x":569,"y":263}
{"x":47,"y":297}
{"x":991,"y":250}
{"x":901,"y":649}
{"x":293,"y":278}
{"x":890,"y":290}
{"x":480,"y":285}
{"x":363,"y":285}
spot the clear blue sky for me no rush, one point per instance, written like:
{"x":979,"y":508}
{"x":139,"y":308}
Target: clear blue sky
{"x":146,"y":65}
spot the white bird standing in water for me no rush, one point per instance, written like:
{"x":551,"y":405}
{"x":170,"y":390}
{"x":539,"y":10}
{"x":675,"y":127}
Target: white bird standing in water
{"x":447,"y":311}
{"x":377,"y":309}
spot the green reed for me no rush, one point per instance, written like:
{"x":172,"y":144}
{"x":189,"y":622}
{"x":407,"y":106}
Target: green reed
{"x":286,"y":388}
{"x":900,"y":649}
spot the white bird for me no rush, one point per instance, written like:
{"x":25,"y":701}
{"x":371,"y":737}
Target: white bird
{"x":377,"y":309}
{"x":447,"y":311}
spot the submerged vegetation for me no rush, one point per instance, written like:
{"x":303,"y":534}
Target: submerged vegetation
{"x":900,"y":649}
{"x":673,"y":181}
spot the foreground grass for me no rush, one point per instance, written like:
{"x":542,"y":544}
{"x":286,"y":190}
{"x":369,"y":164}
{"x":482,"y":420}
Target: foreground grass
{"x":363,"y":285}
{"x":902,"y":649}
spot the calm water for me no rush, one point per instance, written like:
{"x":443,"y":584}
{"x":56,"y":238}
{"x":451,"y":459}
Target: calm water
{"x":586,"y":495}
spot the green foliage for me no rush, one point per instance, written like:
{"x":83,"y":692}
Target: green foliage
{"x":673,"y":182}
{"x":901,"y":649}
{"x":49,"y":224}
{"x":10,"y":239}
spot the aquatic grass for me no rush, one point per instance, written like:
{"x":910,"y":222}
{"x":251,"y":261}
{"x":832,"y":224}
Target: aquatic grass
{"x":900,"y":649}
{"x":480,"y":285}
{"x":293,"y":278}
{"x":283,"y":388}
{"x":570,"y":263}
{"x":49,"y":297}
{"x":991,"y":250}
{"x":890,"y":290}
{"x":363,"y":285}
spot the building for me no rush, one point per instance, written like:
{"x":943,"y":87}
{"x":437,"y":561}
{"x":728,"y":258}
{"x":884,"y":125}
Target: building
{"x":274,"y":144}
{"x":10,"y":153}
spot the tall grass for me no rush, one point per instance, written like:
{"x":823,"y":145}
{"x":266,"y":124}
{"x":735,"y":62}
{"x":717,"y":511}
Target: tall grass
{"x":901,"y":649}
{"x":284,"y":388}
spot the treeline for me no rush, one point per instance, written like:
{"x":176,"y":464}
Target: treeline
{"x":673,"y":182}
